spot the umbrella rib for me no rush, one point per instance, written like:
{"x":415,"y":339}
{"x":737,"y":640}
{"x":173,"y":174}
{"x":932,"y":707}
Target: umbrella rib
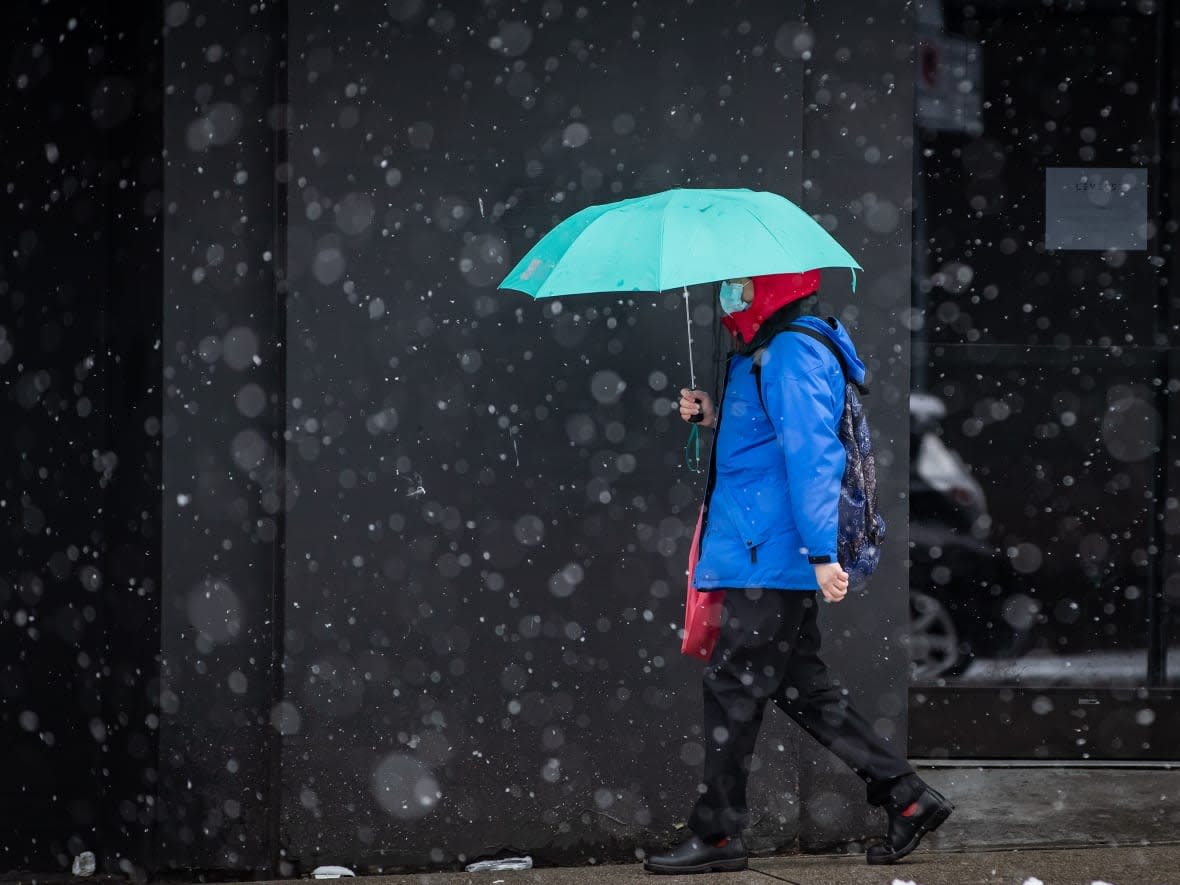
{"x":585,"y":230}
{"x":599,"y":218}
{"x":772,"y":234}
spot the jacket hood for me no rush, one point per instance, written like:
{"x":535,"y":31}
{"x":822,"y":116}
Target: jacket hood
{"x":801,"y":313}
{"x":839,"y":336}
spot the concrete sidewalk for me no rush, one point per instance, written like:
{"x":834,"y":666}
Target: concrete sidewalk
{"x":1148,"y":865}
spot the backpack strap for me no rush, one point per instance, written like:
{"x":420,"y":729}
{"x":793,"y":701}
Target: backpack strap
{"x":822,"y":339}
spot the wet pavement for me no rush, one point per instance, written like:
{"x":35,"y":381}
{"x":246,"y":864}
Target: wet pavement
{"x":1082,"y":865}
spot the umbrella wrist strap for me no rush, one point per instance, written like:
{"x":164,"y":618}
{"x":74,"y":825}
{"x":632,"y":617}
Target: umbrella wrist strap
{"x":692,"y":449}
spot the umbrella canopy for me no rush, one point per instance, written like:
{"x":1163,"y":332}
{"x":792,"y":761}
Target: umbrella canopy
{"x":681,"y":237}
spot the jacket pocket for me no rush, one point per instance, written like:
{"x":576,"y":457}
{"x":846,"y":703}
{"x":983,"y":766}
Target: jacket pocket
{"x":752,"y":529}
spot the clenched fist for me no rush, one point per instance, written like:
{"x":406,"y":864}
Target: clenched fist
{"x":832,"y":580}
{"x":697,"y":402}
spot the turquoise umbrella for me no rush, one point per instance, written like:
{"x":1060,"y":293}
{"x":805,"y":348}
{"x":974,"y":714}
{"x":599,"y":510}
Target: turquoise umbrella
{"x":674,"y":239}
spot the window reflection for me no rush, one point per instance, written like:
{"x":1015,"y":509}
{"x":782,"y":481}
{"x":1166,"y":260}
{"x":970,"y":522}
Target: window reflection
{"x":1031,"y":523}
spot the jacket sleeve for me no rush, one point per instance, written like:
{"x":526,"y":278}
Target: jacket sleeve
{"x":805,"y":415}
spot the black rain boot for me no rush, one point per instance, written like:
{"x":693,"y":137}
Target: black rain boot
{"x":909,"y":825}
{"x":698,"y":856}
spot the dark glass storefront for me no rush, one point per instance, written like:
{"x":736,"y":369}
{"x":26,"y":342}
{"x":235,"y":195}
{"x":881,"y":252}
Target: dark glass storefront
{"x":1044,"y":485}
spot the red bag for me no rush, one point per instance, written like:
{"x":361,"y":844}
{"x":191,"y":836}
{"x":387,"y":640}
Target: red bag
{"x":702,"y":610}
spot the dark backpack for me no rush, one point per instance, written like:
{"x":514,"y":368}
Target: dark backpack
{"x":862,"y":528}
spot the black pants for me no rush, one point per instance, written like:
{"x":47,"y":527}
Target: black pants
{"x":769,"y":651}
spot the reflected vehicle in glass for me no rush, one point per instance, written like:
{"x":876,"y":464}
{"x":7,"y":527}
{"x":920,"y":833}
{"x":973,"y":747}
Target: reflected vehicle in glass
{"x":966,"y":599}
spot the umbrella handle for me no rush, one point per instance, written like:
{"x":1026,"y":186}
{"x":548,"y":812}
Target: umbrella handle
{"x":699,"y":416}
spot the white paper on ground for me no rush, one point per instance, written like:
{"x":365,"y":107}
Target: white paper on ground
{"x":84,"y":864}
{"x":331,"y":872}
{"x":503,"y":863}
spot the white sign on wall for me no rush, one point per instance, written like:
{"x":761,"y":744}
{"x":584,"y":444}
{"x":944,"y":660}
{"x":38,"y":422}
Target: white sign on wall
{"x":1095,"y":208}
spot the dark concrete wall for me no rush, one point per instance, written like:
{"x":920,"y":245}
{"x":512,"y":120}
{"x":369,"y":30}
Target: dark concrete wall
{"x":493,"y":664}
{"x":858,"y":155}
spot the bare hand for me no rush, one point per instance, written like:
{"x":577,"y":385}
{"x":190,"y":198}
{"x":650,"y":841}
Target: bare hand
{"x":833,"y":581}
{"x":697,"y":402}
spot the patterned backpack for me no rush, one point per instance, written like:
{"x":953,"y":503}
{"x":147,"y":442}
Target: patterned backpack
{"x":862,"y":528}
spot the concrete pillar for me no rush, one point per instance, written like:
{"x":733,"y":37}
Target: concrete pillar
{"x":223,"y":369}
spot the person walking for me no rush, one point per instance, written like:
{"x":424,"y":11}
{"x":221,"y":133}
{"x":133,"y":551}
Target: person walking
{"x":769,"y":544}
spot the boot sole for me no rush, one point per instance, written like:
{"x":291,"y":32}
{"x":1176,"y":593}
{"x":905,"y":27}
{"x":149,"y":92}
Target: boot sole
{"x":936,"y":820}
{"x":734,"y":865}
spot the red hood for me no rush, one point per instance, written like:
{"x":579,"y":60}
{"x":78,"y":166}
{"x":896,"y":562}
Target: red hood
{"x":771,"y":293}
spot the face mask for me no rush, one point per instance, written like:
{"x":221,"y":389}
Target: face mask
{"x":731,"y":298}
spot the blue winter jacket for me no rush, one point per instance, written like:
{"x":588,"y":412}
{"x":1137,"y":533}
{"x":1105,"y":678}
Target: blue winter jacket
{"x":774,"y":506}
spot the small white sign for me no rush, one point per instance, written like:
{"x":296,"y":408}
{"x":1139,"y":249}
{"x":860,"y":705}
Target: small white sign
{"x":1096,"y":208}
